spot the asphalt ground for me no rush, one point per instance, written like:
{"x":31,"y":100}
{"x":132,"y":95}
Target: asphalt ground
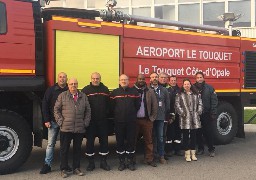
{"x":235,"y":161}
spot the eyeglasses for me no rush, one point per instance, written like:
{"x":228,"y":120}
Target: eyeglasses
{"x":73,"y":84}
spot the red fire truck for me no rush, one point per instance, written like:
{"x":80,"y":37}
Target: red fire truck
{"x":36,"y":44}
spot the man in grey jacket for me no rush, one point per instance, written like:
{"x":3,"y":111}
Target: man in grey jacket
{"x":72,"y":113}
{"x":163,"y":102}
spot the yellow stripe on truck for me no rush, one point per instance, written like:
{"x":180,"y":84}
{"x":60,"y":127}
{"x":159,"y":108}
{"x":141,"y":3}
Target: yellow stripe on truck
{"x":17,"y":71}
{"x":80,"y":54}
{"x":227,"y":90}
{"x":60,"y":18}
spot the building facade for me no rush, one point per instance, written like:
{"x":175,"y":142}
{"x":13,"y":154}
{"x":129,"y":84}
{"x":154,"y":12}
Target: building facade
{"x":193,"y":11}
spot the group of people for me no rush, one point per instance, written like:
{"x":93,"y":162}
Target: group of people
{"x":170,"y":119}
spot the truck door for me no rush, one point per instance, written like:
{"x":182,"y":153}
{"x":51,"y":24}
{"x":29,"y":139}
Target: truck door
{"x":81,"y":47}
{"x":17,"y":33}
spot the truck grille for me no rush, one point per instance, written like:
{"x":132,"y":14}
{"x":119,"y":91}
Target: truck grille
{"x":250,"y":69}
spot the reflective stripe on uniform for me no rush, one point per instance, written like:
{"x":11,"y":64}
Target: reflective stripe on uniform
{"x":89,"y":154}
{"x":120,"y":152}
{"x":103,"y":154}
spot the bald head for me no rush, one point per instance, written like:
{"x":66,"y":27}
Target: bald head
{"x":95,"y":79}
{"x":141,"y":80}
{"x":73,"y":85}
{"x":62,"y":79}
{"x":124,"y":80}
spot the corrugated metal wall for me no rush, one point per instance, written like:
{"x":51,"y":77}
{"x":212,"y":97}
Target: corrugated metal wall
{"x":248,"y":32}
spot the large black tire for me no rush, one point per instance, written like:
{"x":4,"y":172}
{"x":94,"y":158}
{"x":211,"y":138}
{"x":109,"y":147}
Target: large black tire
{"x":15,"y":141}
{"x":226,"y":125}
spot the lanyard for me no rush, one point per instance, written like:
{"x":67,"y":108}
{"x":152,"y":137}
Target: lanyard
{"x":157,"y":90}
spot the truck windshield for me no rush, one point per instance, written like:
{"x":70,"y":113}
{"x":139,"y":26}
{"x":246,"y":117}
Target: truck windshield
{"x":3,"y":25}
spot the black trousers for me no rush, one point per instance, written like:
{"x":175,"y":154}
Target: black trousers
{"x":65,"y":140}
{"x":189,"y":139}
{"x":173,"y":136}
{"x":125,"y":137}
{"x":100,"y":130}
{"x":206,"y":132}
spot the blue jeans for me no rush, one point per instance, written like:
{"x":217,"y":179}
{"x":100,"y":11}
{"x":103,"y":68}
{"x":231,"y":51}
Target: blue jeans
{"x":158,"y":138}
{"x":53,"y":132}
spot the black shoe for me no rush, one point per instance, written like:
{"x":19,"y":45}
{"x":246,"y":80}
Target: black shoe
{"x":121,"y":167}
{"x":200,"y":152}
{"x":91,"y":166}
{"x":166,"y":158}
{"x":104,"y":165}
{"x":152,"y":163}
{"x":45,"y":169}
{"x":69,"y":170}
{"x":131,"y":166}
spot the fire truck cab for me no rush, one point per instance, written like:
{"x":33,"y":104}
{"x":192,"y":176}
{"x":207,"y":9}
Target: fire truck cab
{"x":36,"y":44}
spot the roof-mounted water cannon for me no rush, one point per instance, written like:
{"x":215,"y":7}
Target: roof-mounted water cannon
{"x":43,"y":2}
{"x":111,"y":4}
{"x":111,"y":14}
{"x":229,"y":18}
{"x":118,"y":16}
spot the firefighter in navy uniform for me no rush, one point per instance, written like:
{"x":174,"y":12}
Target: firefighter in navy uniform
{"x":98,"y":96}
{"x":125,"y":102}
{"x":173,"y":134}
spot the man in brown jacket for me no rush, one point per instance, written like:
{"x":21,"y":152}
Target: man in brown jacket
{"x":72,"y":113}
{"x":145,"y":117}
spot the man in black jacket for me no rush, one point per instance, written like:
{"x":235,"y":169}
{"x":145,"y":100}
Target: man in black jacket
{"x":208,"y":118}
{"x":125,"y":102}
{"x":98,"y":96}
{"x":48,"y":103}
{"x":173,"y":134}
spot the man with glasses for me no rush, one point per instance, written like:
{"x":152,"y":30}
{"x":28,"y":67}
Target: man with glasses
{"x":125,"y":102}
{"x":98,"y":96}
{"x":163,"y":81}
{"x":73,"y":114}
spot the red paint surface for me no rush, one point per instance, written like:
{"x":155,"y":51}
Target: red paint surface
{"x":17,"y":46}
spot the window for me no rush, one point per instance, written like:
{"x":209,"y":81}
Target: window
{"x":75,"y":4}
{"x":99,"y":4}
{"x":189,"y":13}
{"x":188,"y":1}
{"x":164,"y":1}
{"x":211,"y":13}
{"x":141,"y":2}
{"x":122,"y":3}
{"x":244,"y":8}
{"x":144,"y":11}
{"x":3,"y":24}
{"x":165,"y":12}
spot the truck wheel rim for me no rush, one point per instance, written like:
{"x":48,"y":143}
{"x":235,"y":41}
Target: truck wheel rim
{"x":224,"y":123}
{"x":9,"y":143}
